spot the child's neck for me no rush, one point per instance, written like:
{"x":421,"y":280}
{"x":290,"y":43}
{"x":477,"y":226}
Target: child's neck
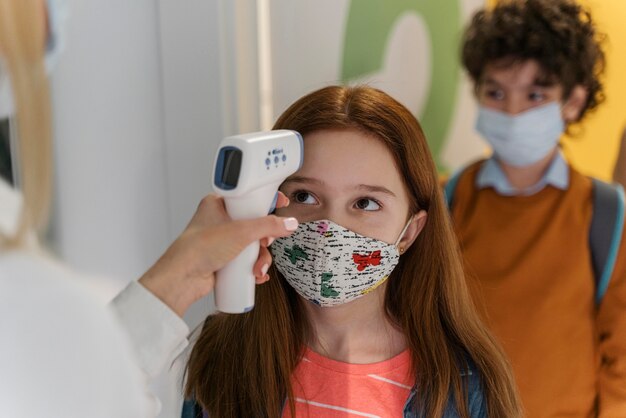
{"x":358,"y":332}
{"x":521,"y":178}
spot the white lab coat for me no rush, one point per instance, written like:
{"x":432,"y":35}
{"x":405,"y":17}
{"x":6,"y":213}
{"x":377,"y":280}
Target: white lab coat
{"x":62,"y":353}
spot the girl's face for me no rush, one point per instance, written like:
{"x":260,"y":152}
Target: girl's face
{"x":351,"y":178}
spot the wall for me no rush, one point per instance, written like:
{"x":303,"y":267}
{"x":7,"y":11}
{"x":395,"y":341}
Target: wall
{"x":111,"y":207}
{"x":594,"y":149}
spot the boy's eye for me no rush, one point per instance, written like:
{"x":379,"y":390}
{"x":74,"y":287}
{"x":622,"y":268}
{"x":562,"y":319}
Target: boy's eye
{"x":536,"y":96}
{"x":367,"y":204}
{"x":495,"y":94}
{"x":304,"y":198}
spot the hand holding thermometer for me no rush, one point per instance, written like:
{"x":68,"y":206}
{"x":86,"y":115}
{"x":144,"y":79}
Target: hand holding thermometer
{"x":248,"y":170}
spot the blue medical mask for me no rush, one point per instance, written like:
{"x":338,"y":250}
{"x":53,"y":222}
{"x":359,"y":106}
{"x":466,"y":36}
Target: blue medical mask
{"x":522,"y":139}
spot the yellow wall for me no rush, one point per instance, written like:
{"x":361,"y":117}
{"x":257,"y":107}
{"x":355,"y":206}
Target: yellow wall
{"x":593,"y":150}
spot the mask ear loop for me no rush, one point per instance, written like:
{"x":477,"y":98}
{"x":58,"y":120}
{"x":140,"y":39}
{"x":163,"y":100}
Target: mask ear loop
{"x":402,"y":234}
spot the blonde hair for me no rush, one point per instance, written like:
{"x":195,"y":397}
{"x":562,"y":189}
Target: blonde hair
{"x":22,"y":47}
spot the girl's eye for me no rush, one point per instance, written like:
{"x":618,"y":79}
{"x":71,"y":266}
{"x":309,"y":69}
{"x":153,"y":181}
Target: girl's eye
{"x":367,"y":204}
{"x":304,"y":198}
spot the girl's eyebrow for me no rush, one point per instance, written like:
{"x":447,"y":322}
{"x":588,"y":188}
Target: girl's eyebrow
{"x":302,"y":179}
{"x":363,"y":187}
{"x":374,"y":189}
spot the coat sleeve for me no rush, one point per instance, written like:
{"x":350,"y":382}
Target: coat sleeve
{"x":157,"y":334}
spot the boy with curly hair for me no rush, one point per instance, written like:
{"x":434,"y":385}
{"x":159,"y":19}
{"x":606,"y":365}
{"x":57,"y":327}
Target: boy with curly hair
{"x":524,"y":215}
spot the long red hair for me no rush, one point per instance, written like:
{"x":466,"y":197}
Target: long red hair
{"x":241,"y":365}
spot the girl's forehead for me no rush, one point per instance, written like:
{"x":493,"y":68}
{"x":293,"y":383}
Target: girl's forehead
{"x":348,"y":158}
{"x":346,"y":150}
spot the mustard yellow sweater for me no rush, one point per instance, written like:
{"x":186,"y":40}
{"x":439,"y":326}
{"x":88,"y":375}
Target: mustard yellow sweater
{"x":529,"y":269}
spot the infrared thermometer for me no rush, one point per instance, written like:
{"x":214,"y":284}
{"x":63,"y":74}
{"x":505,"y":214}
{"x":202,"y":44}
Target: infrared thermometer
{"x":247,"y":172}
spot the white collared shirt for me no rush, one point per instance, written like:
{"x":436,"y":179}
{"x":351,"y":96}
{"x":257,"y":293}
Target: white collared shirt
{"x":491,"y":175}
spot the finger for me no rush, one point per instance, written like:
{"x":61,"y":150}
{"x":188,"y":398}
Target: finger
{"x":247,"y":231}
{"x":282,"y":201}
{"x":263,"y":262}
{"x":262,"y":280}
{"x":262,"y":265}
{"x":267,"y":241}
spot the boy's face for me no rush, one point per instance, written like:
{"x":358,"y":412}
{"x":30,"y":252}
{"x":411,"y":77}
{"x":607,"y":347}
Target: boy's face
{"x":516,"y":87}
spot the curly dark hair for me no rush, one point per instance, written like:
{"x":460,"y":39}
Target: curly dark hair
{"x":559,"y":34}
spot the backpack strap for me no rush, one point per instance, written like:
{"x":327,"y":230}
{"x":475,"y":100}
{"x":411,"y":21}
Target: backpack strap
{"x":450,"y":187}
{"x":605,"y":235}
{"x":191,"y":409}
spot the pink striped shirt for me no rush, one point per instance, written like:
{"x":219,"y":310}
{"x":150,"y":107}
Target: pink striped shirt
{"x":326,"y":388}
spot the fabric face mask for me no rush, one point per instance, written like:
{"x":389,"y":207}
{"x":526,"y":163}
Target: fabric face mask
{"x":330,"y":265}
{"x":522,"y":139}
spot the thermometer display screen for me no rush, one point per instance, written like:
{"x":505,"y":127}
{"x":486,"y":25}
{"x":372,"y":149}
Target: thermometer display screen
{"x":232,"y":167}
